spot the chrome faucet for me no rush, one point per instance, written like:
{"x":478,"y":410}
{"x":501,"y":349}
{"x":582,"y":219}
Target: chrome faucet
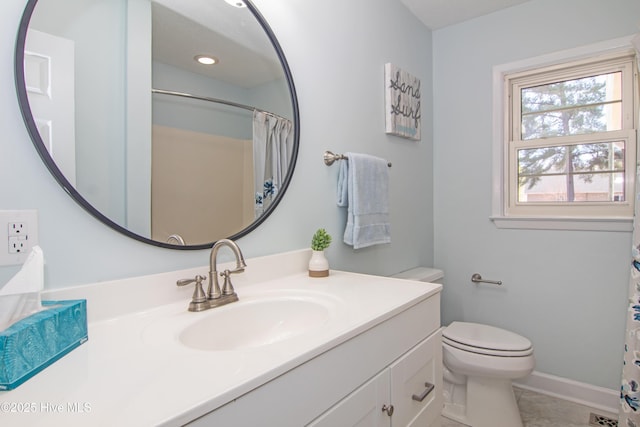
{"x":227,"y":289}
{"x":214,"y":296}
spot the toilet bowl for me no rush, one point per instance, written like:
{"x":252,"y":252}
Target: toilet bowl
{"x":480,"y":361}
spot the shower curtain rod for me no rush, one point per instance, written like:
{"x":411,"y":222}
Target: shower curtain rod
{"x":216,"y":100}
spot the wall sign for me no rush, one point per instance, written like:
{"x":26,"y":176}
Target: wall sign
{"x":402,"y":103}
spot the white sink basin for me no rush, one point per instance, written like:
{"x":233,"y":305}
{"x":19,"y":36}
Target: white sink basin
{"x":255,"y":323}
{"x":258,"y":319}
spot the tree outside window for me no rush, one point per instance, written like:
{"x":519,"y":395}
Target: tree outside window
{"x":571,"y":171}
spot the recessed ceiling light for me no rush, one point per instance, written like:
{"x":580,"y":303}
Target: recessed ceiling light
{"x":206,"y":59}
{"x":236,"y":3}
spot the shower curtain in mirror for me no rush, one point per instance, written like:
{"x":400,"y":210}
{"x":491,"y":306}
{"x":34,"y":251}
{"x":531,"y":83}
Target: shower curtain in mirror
{"x":272,"y":147}
{"x":630,"y":387}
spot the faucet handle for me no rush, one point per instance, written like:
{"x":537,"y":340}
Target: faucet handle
{"x":198,"y":294}
{"x":227,"y":287}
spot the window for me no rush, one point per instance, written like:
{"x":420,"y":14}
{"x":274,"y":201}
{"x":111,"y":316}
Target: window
{"x":569,"y":144}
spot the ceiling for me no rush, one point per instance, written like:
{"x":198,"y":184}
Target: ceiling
{"x":437,"y":14}
{"x":184,"y":29}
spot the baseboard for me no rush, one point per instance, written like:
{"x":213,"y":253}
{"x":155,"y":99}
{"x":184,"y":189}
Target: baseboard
{"x":585,"y":394}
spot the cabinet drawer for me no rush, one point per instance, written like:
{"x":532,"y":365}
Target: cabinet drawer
{"x":411,"y":377}
{"x":362,"y":408}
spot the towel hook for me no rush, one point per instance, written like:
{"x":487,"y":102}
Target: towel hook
{"x":330,"y":157}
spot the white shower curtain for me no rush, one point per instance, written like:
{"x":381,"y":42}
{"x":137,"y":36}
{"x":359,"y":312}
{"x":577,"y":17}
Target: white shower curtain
{"x":630,"y":388}
{"x":272,"y":147}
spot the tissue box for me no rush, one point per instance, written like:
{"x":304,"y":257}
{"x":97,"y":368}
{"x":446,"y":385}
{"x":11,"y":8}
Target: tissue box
{"x":33,"y":343}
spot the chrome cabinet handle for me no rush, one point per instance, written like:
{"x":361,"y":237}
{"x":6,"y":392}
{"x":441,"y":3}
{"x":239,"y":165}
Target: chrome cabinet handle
{"x":388,"y":409}
{"x":429,"y":388}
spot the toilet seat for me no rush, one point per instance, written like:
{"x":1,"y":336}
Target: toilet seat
{"x":485,"y":339}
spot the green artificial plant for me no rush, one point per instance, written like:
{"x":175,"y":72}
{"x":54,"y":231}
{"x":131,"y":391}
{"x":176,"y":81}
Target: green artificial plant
{"x":321,"y":240}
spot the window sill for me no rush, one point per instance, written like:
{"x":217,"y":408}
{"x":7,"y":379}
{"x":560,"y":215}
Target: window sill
{"x":560,"y":223}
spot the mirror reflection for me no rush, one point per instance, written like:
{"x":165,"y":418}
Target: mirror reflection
{"x":166,"y":148}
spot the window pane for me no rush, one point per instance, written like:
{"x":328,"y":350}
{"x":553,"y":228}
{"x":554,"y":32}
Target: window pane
{"x":573,"y":173}
{"x":572,"y":107}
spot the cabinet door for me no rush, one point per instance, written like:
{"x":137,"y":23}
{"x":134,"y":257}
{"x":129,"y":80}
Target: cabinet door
{"x":411,"y":377}
{"x":362,"y":408}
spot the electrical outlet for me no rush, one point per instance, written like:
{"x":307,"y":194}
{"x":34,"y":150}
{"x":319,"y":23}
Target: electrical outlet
{"x":18,"y":244}
{"x":19,"y":232}
{"x":17,"y":229}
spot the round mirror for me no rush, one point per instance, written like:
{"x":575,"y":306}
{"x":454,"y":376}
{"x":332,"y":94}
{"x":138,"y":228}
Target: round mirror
{"x":175,"y":122}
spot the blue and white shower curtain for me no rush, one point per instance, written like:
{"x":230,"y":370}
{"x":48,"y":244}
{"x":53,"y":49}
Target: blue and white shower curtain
{"x":272,"y":148}
{"x":630,"y":388}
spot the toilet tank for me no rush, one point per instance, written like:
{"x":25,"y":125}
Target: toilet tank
{"x":422,"y":274}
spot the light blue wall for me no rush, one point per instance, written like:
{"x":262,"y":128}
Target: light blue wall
{"x":95,"y":28}
{"x":214,"y":118}
{"x":200,"y":116}
{"x":564,"y":290}
{"x":336,"y":51}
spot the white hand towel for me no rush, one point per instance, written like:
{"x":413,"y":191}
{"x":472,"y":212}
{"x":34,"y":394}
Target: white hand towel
{"x":363,"y":186}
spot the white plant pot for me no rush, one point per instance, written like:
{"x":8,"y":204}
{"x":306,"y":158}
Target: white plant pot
{"x":318,"y":264}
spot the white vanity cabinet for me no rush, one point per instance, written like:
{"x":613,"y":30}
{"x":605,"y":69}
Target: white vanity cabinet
{"x":349,"y":384}
{"x":363,"y":407}
{"x":368,"y":341}
{"x":416,"y":385}
{"x":408,"y":393}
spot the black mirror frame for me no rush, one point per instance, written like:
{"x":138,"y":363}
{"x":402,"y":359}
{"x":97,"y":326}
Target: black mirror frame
{"x":40,"y":147}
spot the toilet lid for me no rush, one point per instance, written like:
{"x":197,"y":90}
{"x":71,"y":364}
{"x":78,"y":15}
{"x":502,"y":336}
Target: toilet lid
{"x":478,"y":336}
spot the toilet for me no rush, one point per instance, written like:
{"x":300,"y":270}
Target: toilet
{"x":480,"y":361}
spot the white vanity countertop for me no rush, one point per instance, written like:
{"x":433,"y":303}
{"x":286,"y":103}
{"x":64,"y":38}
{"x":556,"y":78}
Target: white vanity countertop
{"x":134,"y":371}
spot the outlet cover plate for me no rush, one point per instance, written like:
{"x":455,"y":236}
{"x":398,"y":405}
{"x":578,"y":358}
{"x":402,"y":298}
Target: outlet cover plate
{"x":30,"y":220}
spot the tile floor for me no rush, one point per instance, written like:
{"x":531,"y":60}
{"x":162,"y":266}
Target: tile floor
{"x":538,"y":410}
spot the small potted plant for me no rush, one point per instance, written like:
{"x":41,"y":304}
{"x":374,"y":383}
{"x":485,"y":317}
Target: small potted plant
{"x":318,"y":265}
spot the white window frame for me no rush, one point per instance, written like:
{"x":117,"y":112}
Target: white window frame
{"x":585,"y":217}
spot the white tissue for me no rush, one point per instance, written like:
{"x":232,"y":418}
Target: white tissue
{"x":20,"y":296}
